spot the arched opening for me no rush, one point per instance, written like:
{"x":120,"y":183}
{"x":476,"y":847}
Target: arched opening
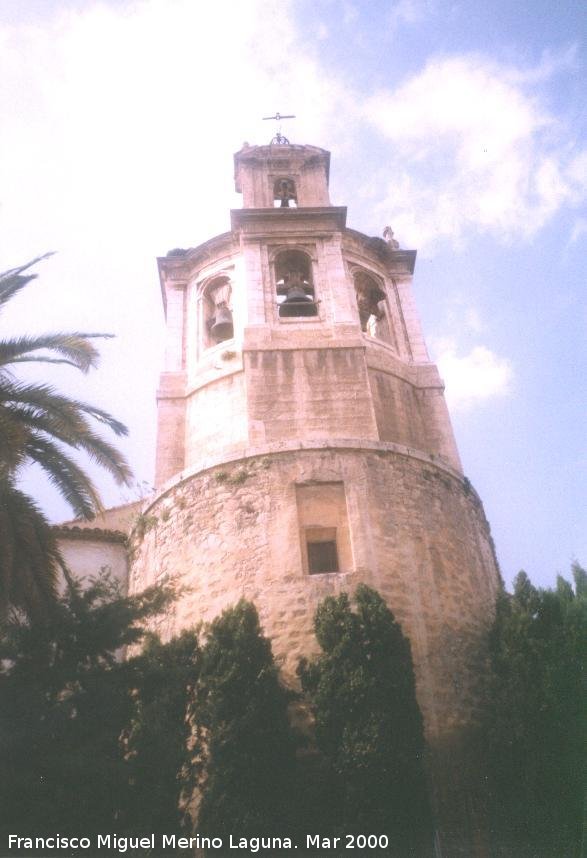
{"x":372,"y":307}
{"x":284,"y":194}
{"x":217,"y":314}
{"x":295,"y":290}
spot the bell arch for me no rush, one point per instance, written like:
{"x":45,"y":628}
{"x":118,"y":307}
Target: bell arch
{"x":372,"y":306}
{"x":285,"y":193}
{"x":294,"y":285}
{"x":215,"y":297}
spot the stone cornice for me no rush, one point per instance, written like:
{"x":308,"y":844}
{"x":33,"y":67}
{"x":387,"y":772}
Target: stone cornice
{"x":274,"y":155}
{"x":178,"y":266}
{"x":263,"y":221}
{"x":395,"y":261}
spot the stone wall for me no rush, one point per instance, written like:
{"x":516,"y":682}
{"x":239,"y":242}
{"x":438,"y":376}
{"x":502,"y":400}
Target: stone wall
{"x":216,"y":417}
{"x":416,"y":532}
{"x":281,"y":394}
{"x":309,"y":393}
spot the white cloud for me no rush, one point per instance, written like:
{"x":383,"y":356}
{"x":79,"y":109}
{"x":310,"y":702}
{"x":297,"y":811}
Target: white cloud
{"x":408,"y":12}
{"x":322,"y":32}
{"x":119,"y":127}
{"x":473,"y":378}
{"x":350,"y":14}
{"x":124,"y":119}
{"x":473,"y":320}
{"x":472,"y":148}
{"x":464,"y":317}
{"x":579,"y":230}
{"x":551,"y":63}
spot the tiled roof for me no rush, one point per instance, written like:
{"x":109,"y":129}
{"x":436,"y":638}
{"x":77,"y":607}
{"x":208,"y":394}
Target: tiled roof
{"x":92,"y":534}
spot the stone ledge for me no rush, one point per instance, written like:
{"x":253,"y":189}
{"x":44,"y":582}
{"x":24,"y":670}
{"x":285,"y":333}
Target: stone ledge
{"x":354,"y":444}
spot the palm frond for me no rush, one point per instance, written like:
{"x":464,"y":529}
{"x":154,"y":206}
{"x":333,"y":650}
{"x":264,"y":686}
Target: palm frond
{"x":33,"y":406}
{"x":12,"y":437}
{"x":71,"y":428}
{"x":10,"y":286}
{"x":40,"y":425}
{"x":17,"y":419}
{"x":13,"y":280}
{"x":20,"y":268}
{"x":46,"y":398}
{"x":29,"y":560}
{"x":74,"y":348}
{"x":105,"y":419}
{"x":107,"y":456}
{"x":72,"y":482}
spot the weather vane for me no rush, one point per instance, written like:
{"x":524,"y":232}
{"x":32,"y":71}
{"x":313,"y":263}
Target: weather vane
{"x":279,"y":139}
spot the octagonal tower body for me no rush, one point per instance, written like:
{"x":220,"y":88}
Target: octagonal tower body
{"x":304,"y":444}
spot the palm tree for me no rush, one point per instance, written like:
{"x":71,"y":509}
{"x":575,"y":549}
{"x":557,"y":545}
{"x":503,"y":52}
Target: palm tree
{"x":40,"y":425}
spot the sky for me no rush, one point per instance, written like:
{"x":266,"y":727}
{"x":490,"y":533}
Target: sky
{"x":460,"y":124}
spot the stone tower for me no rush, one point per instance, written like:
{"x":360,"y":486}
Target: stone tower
{"x":304,"y":444}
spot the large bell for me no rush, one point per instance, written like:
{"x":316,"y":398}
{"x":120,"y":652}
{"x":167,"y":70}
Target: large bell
{"x":222,"y":329}
{"x":297,"y":303}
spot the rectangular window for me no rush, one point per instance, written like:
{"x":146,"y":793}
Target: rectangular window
{"x":325,"y":544}
{"x":322,"y":557}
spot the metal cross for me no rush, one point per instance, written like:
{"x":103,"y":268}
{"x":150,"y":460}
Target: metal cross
{"x":279,"y":138}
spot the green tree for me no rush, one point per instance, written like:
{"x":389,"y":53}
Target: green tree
{"x":158,"y":739}
{"x":368,"y":724}
{"x":536,"y":724}
{"x":66,"y":697}
{"x":39,"y":425}
{"x":245,"y":741}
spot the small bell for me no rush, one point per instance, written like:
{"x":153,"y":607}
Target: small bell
{"x":223,"y":328}
{"x":297,"y":303}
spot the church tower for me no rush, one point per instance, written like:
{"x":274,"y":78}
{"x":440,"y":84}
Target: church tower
{"x":304,"y":444}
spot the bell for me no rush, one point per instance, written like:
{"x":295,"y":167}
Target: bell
{"x":297,"y":303}
{"x":295,"y":295}
{"x":222,"y":329}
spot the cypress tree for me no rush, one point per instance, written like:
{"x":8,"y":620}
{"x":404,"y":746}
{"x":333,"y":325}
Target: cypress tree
{"x":157,"y":741}
{"x":246,"y":744}
{"x":369,"y":727}
{"x":536,"y":720}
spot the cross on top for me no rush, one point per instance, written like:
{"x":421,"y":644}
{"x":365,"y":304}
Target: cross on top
{"x":279,"y":139}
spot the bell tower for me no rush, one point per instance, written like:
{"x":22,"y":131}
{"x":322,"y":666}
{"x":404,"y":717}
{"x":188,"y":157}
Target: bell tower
{"x":282,"y":175}
{"x":292,"y":327}
{"x":304,"y":444}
